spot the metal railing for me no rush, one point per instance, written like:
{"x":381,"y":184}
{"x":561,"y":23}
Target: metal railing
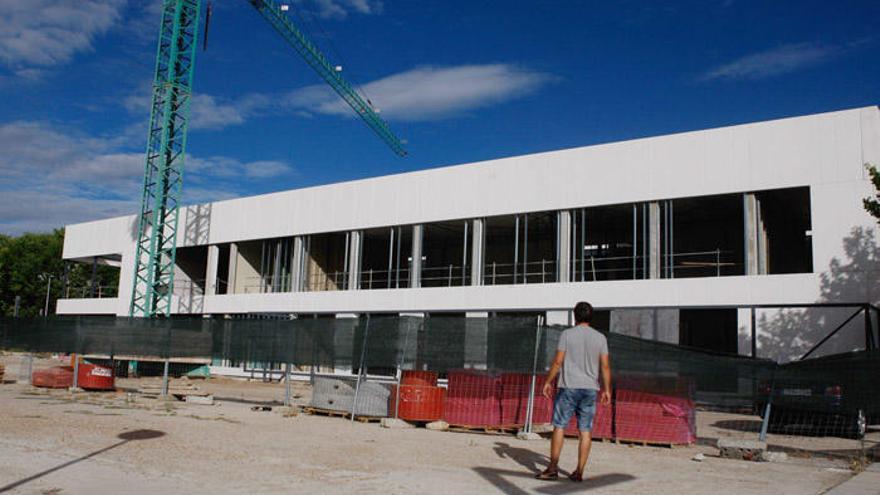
{"x":715,"y":263}
{"x":86,"y":292}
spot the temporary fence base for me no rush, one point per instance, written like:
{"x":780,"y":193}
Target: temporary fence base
{"x":317,"y":411}
{"x":492,"y":430}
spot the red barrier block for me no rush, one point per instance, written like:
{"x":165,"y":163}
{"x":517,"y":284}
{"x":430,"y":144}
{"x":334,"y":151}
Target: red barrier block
{"x":417,"y":403}
{"x":92,"y":377}
{"x":57,"y":377}
{"x":473,"y":399}
{"x":418,"y":377}
{"x":654,"y":418}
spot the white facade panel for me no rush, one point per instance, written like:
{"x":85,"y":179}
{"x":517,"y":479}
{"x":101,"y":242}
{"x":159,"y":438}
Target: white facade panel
{"x":824,"y":152}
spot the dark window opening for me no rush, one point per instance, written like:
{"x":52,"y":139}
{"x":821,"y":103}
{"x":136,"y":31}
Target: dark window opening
{"x":785,"y":214}
{"x":445,"y":254}
{"x":702,"y":237}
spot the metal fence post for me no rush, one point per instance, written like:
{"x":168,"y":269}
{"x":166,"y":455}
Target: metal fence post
{"x":165,"y":379}
{"x":400,"y":372}
{"x":287,"y":384}
{"x":357,"y":386}
{"x":530,"y":408}
{"x":75,"y":385}
{"x":167,"y":359}
{"x":766,"y":421}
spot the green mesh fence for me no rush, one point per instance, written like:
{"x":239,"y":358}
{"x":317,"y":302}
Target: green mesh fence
{"x":832,"y":395}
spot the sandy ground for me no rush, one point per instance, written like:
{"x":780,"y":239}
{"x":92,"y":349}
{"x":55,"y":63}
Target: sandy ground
{"x":56,"y":442}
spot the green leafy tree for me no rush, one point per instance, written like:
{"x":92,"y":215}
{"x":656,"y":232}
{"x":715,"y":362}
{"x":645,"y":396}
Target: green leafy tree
{"x":27,"y":261}
{"x":872,"y":205}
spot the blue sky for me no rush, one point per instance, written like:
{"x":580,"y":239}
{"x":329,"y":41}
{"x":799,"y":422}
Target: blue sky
{"x":459,"y":81}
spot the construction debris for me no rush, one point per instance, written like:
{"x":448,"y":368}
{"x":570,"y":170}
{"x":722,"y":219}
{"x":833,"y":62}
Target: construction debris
{"x":527,"y":435}
{"x":747,"y":450}
{"x":207,"y":400}
{"x":437,"y":425}
{"x":395,"y":423}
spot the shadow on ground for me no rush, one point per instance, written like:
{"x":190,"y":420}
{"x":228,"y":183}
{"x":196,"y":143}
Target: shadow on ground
{"x":533,"y":463}
{"x":125,"y":437}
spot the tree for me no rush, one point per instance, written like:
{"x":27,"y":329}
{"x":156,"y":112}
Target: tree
{"x":872,"y":205}
{"x":28,"y":260}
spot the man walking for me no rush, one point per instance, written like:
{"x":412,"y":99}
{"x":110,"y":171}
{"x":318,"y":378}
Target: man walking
{"x":581,"y":354}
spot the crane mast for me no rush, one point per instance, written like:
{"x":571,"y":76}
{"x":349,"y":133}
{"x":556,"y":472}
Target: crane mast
{"x":155,"y":256}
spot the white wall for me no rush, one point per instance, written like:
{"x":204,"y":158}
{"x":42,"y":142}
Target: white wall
{"x":825,"y":152}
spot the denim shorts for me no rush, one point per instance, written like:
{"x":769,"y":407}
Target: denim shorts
{"x":578,"y":401}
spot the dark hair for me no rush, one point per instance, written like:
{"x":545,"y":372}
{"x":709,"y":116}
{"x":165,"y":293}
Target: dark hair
{"x":583,"y":312}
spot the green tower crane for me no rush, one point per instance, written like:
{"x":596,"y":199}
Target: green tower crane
{"x":153,"y":284}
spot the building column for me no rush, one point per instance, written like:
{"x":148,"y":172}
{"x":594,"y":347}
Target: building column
{"x":233,"y":264}
{"x":563,"y":246}
{"x":297,"y":264}
{"x":476,"y":339}
{"x":755,"y":235}
{"x":354,"y":260}
{"x":654,"y":235}
{"x":415,"y":275}
{"x":478,"y":246}
{"x":211,"y":270}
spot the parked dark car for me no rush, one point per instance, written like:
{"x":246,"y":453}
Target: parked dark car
{"x":835,"y":395}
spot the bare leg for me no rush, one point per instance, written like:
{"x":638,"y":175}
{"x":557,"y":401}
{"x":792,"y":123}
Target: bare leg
{"x":556,"y":442}
{"x":584,"y":444}
{"x":551,"y":473}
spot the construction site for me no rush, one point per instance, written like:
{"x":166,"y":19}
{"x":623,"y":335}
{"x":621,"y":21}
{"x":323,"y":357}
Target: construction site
{"x":401,"y":333}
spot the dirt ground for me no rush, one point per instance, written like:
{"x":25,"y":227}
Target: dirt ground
{"x":58,"y":442}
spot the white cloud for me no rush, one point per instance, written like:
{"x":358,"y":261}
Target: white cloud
{"x":45,"y":33}
{"x":420,"y":94}
{"x":773,"y":62}
{"x":430,"y":93}
{"x":50,"y":176}
{"x":206,"y":112}
{"x":339,"y":9}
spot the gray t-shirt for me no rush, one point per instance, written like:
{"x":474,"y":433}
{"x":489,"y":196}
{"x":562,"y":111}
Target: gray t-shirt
{"x":582,"y":346}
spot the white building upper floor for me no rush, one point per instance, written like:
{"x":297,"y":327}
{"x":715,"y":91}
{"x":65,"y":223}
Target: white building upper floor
{"x":762,"y":213}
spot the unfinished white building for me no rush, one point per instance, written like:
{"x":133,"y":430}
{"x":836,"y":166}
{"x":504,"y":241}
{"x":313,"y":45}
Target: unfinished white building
{"x":675,"y":238}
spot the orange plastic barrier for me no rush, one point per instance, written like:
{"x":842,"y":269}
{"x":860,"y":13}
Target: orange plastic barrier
{"x":93,"y":377}
{"x":57,"y":377}
{"x":418,"y":377}
{"x":417,"y":402}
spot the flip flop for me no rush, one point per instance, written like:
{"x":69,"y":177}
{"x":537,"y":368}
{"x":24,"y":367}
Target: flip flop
{"x":547,"y":475}
{"x":576,"y":476}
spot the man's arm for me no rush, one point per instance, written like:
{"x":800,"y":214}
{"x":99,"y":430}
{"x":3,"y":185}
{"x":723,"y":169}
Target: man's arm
{"x":554,"y":370}
{"x":605,"y":365}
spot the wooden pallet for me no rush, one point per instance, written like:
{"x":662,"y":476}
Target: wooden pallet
{"x":318,"y":411}
{"x":647,"y":443}
{"x":488,"y":429}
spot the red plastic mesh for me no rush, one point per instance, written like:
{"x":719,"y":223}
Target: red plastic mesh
{"x":646,"y":417}
{"x":473,"y":398}
{"x":515,"y":389}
